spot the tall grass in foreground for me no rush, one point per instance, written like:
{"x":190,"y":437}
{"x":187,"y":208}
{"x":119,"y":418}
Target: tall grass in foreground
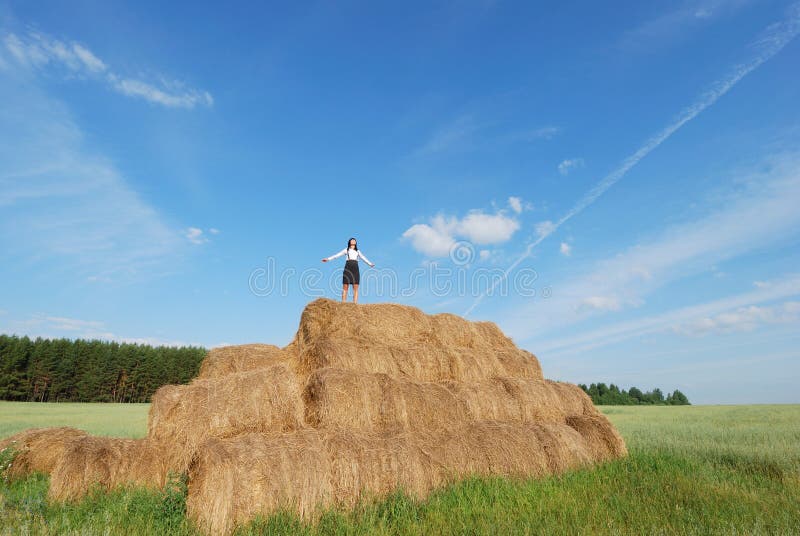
{"x":691,"y":470}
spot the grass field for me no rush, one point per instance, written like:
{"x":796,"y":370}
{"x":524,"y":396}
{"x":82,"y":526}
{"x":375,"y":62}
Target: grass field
{"x":691,"y":470}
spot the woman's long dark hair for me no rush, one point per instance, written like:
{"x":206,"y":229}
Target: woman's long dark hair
{"x":348,"y":243}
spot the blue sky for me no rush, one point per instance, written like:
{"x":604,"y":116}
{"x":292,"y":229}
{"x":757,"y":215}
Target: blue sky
{"x":615,"y":187}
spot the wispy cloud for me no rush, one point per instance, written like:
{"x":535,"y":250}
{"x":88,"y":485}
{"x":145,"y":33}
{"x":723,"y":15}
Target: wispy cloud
{"x":195,"y":235}
{"x":457,"y":134}
{"x":465,"y":132}
{"x":675,"y":24}
{"x":36,"y":52}
{"x":686,"y":318}
{"x":772,"y":41}
{"x":746,"y":318}
{"x":570,"y":164}
{"x":759,"y":213}
{"x":565,"y":249}
{"x":66,"y":204}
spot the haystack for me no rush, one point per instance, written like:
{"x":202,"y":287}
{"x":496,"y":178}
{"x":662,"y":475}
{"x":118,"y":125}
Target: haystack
{"x":400,"y":340}
{"x":241,"y":358}
{"x":365,"y":400}
{"x":38,"y":449}
{"x":183,"y":417}
{"x":107,"y":462}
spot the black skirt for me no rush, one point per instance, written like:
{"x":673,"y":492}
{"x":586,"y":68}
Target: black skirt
{"x":350,"y":275}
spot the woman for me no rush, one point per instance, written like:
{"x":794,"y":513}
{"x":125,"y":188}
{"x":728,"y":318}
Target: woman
{"x":350,"y":275}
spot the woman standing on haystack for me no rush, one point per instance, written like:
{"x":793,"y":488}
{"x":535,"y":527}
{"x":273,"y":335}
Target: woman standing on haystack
{"x":350,"y":275}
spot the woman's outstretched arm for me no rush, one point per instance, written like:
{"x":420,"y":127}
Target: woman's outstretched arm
{"x":326,"y":259}
{"x":365,"y":258}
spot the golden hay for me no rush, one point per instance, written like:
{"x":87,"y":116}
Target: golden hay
{"x":600,"y":435}
{"x":368,"y":401}
{"x":402,"y":341}
{"x":107,"y":462}
{"x":233,"y":480}
{"x":492,"y":448}
{"x":522,"y":400}
{"x":240,"y":358}
{"x":39,"y":449}
{"x":259,"y":400}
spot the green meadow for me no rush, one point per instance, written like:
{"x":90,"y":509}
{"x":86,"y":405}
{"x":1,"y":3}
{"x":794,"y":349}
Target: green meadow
{"x":691,"y":470}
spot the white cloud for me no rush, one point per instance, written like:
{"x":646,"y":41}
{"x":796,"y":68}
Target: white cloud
{"x":569,"y":164}
{"x":195,"y":235}
{"x":484,"y":229}
{"x":565,"y":249}
{"x":746,"y":318}
{"x":213,"y":230}
{"x":484,"y":254}
{"x":175,"y":99}
{"x":515,"y":203}
{"x":434,"y":239}
{"x":37,"y":51}
{"x":604,"y":303}
{"x":92,"y":62}
{"x":437,"y":238}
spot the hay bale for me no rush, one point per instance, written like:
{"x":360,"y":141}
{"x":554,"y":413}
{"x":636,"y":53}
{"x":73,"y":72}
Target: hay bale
{"x":240,"y":358}
{"x":232,"y":480}
{"x":163,"y":405}
{"x":367,"y":401}
{"x":521,"y":400}
{"x":107,"y":462}
{"x":39,"y":449}
{"x":402,"y":341}
{"x":600,"y":435}
{"x":492,"y":448}
{"x":372,"y":465}
{"x":265,"y":400}
{"x":379,"y":402}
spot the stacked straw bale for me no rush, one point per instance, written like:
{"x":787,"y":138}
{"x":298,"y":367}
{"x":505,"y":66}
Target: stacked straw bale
{"x":183,"y":417}
{"x":107,"y":462}
{"x":365,"y":400}
{"x":38,"y":449}
{"x":242,"y":358}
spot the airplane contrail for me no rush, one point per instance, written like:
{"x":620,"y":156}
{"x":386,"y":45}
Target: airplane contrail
{"x":774,"y":38}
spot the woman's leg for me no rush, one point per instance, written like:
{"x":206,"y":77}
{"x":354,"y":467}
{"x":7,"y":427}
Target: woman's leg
{"x":344,"y":291}
{"x":355,"y":293}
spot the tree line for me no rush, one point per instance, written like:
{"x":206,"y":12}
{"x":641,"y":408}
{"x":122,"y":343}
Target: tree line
{"x":611,"y":395}
{"x":65,"y":370}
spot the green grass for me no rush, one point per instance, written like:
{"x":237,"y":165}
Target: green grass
{"x":119,"y":420}
{"x":691,"y":470}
